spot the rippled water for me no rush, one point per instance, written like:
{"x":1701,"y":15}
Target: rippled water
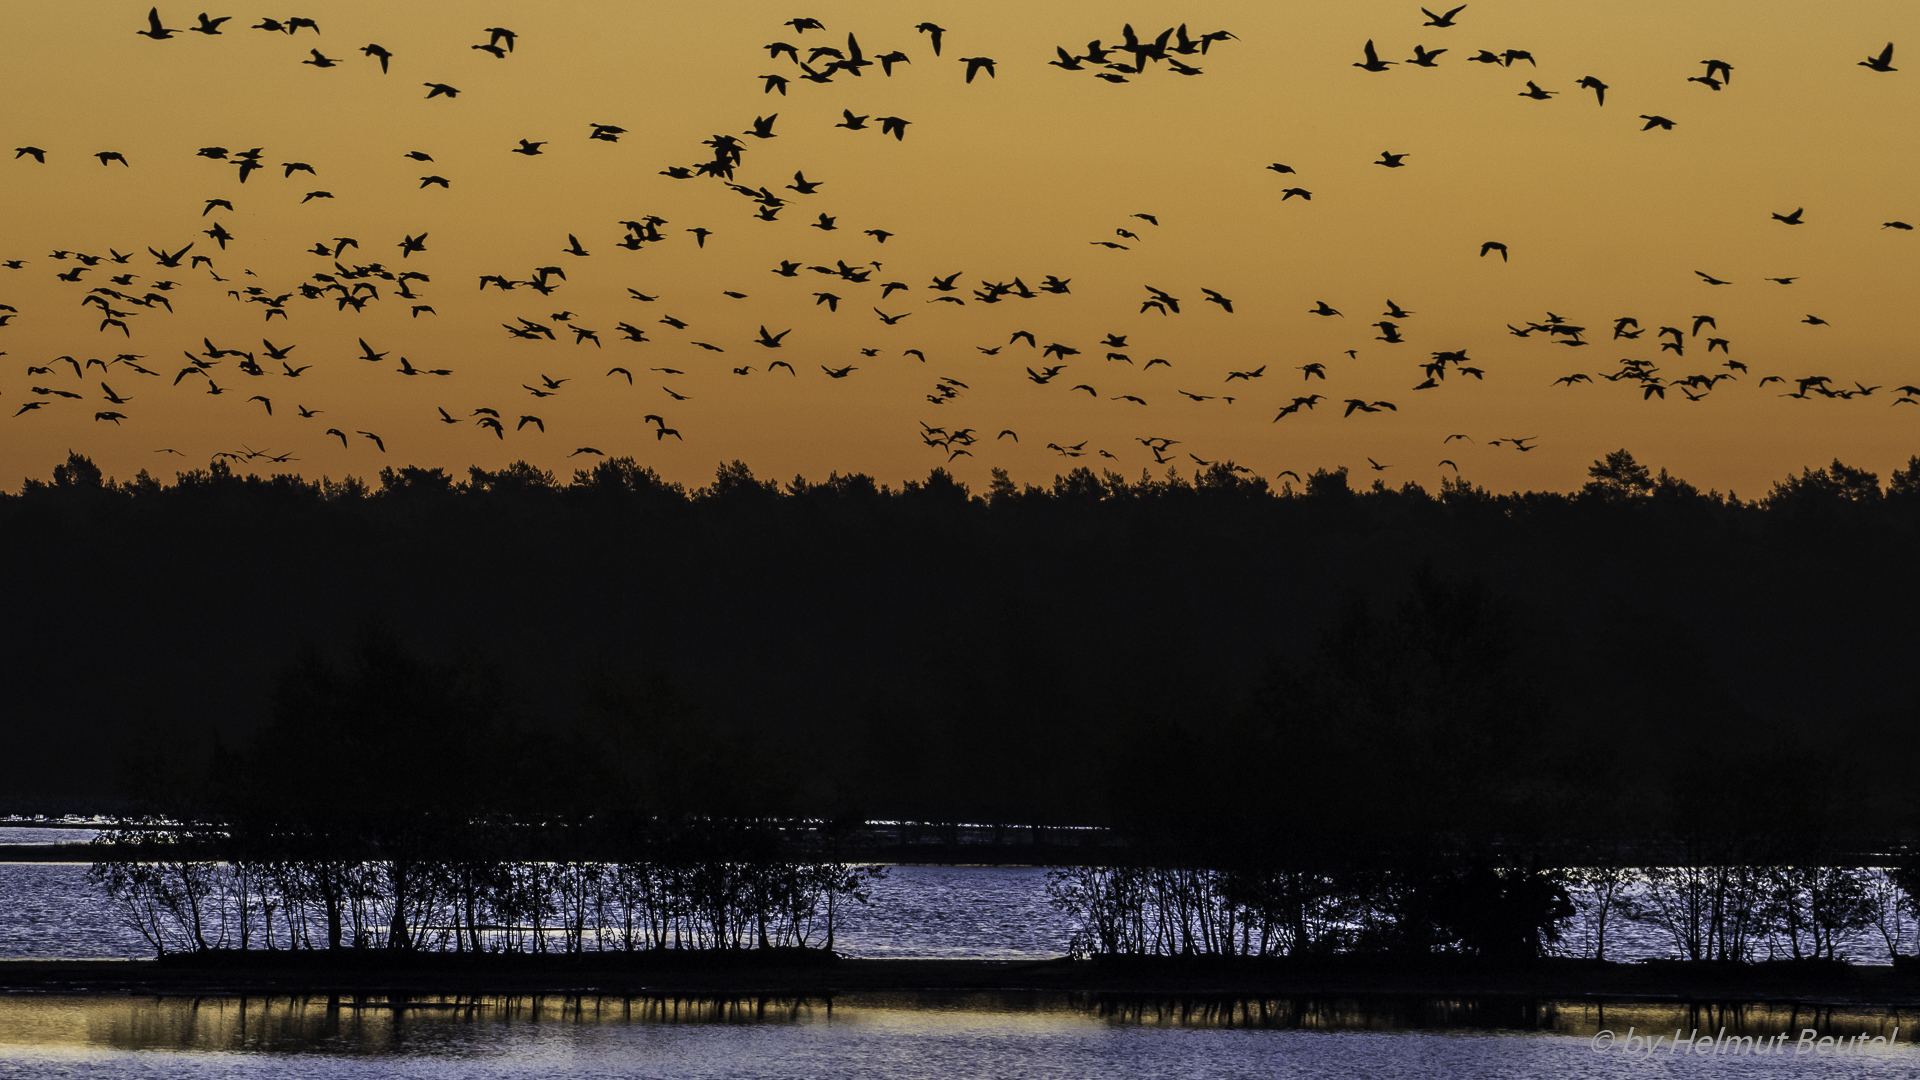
{"x":16,"y":834}
{"x":898,"y":1036}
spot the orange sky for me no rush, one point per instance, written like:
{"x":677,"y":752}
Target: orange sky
{"x":1011,"y":176}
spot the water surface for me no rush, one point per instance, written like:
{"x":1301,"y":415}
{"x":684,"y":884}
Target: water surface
{"x":901,"y":1036}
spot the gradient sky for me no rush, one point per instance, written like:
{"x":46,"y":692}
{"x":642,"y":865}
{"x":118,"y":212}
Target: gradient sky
{"x":1011,"y":176}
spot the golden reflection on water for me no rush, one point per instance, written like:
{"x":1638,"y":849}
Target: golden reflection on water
{"x":379,"y":1024}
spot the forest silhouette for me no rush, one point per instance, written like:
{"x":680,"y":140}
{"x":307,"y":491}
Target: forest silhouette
{"x":1634,"y":659}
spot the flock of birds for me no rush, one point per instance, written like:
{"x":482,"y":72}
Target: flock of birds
{"x":125,"y":292}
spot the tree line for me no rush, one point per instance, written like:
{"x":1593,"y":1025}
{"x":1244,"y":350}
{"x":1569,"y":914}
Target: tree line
{"x":1720,"y":912}
{"x":1636,"y":661}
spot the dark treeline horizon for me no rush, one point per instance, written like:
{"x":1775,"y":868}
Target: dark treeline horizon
{"x":1636,"y":657}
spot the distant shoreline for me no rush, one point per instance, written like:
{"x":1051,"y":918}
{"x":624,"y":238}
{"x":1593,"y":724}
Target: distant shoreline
{"x":962,"y":854}
{"x":746,"y":975}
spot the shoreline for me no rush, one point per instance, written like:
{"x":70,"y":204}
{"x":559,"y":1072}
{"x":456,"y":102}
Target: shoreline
{"x":746,"y":975}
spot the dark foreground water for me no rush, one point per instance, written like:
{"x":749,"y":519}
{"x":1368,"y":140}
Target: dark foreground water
{"x":907,"y":1036}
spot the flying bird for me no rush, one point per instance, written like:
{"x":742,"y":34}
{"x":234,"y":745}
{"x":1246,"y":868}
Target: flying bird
{"x":1883,"y":62}
{"x":160,"y":33}
{"x":1373,"y":61}
{"x":977,"y":64}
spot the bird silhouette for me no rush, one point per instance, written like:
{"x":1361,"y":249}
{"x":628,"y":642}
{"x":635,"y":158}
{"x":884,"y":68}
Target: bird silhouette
{"x":1883,"y":62}
{"x":160,"y":33}
{"x":1373,"y":61}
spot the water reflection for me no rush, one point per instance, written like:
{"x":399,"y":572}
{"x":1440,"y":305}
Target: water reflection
{"x":399,"y":1024}
{"x":902,"y":1036}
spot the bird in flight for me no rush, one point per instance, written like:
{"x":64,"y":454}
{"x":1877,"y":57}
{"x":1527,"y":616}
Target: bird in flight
{"x":160,"y":33}
{"x":1599,"y":88}
{"x":1494,"y":245}
{"x":1791,"y":219}
{"x":1373,"y":62}
{"x":1442,"y":20}
{"x":1883,"y":62}
{"x":1660,"y":122}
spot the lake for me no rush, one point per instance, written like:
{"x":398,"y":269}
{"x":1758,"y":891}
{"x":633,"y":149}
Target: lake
{"x":901,"y":1037}
{"x":50,"y":911}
